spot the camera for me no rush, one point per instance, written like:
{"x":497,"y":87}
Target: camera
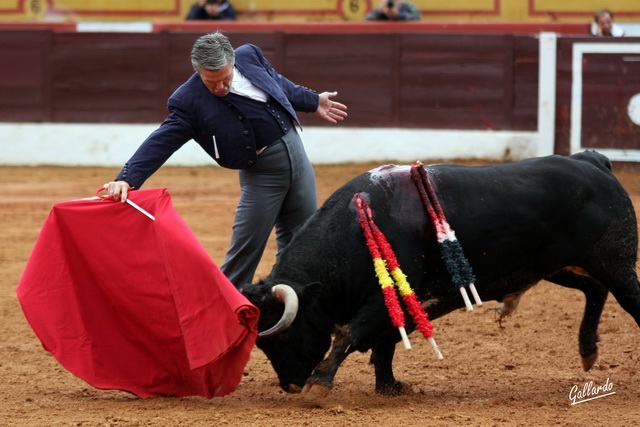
{"x":390,"y":4}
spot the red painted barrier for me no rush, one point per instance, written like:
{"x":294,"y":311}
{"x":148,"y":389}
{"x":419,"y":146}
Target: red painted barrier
{"x":53,"y":26}
{"x":523,"y":28}
{"x":382,"y":27}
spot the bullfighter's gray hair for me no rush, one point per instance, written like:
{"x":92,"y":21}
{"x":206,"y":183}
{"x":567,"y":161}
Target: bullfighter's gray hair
{"x":212,"y":52}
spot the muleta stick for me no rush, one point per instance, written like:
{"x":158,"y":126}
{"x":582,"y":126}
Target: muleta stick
{"x":128,"y":201}
{"x":450,"y":249}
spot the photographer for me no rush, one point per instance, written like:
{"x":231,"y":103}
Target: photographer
{"x":212,"y":9}
{"x":394,"y":10}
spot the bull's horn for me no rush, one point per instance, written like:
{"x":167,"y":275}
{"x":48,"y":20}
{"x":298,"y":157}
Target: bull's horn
{"x":284,"y":294}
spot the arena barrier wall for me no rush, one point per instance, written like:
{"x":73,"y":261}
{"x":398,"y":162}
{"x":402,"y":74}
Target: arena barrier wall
{"x":408,"y":91}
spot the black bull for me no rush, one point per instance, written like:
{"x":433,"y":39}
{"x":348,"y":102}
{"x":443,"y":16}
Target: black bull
{"x":563,"y":219}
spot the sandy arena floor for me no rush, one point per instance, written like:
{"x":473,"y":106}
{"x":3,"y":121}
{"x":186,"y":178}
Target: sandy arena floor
{"x":519,"y":375}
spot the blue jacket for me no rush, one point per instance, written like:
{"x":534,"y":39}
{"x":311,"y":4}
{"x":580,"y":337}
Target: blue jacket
{"x":217,"y":125}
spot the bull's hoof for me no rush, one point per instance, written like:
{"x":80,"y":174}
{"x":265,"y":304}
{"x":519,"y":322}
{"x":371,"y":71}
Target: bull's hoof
{"x":292,"y":388}
{"x":398,"y":388}
{"x":315,"y":391}
{"x":588,"y":361}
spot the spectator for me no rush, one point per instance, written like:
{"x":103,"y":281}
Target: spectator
{"x":603,"y":25}
{"x":243,"y":114}
{"x":394,"y":10}
{"x":212,"y":9}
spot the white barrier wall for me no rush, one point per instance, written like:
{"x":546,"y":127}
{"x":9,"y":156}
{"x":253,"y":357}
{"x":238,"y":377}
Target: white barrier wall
{"x":111,"y":145}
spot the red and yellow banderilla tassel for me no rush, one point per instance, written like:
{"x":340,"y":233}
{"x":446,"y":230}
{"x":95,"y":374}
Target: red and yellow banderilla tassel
{"x":388,"y":291}
{"x":384,"y":260}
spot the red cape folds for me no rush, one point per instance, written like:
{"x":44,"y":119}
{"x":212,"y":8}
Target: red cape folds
{"x":128,"y":303}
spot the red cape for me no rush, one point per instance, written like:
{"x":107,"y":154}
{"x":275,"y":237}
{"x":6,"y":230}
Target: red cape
{"x":125,"y":302}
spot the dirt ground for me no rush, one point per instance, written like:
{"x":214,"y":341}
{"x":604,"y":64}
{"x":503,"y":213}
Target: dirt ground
{"x":521,"y":374}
